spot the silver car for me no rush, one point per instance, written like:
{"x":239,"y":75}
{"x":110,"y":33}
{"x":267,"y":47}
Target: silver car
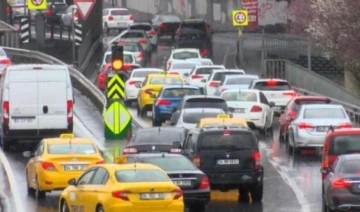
{"x":70,"y":16}
{"x":311,"y":125}
{"x":190,"y":117}
{"x":135,"y":35}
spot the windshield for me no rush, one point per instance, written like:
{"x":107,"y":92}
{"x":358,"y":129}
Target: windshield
{"x":272,"y":86}
{"x":131,"y":48}
{"x":141,"y":27}
{"x":207,"y":70}
{"x":350,"y":167}
{"x":227,"y":140}
{"x":324,"y":113}
{"x":244,"y":96}
{"x":344,"y":144}
{"x":183,"y":65}
{"x":179,"y":92}
{"x":185,"y":55}
{"x":169,"y":18}
{"x":141,"y":175}
{"x":119,"y":12}
{"x":166,"y":80}
{"x":193,"y":117}
{"x":158,"y":136}
{"x":206,"y":103}
{"x":167,"y":163}
{"x":70,"y":148}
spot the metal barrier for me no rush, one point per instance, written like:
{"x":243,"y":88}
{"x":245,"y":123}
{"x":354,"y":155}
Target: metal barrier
{"x":9,"y":35}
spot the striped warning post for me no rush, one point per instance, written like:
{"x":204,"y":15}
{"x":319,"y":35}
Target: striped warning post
{"x":25,"y":30}
{"x":78,"y":34}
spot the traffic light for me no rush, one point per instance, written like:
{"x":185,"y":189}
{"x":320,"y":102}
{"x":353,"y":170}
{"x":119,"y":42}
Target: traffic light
{"x":117,"y":57}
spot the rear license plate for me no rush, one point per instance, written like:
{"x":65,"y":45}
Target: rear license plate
{"x":228,"y":162}
{"x":23,"y":120}
{"x":322,"y":129}
{"x":239,"y":110}
{"x":182,"y":182}
{"x":73,"y":167}
{"x":149,"y":196}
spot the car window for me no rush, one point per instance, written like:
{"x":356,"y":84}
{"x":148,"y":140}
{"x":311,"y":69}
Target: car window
{"x":39,"y":149}
{"x":179,"y":92}
{"x":237,"y":81}
{"x":263,"y":98}
{"x":220,"y":76}
{"x":169,"y":18}
{"x":183,"y":65}
{"x":344,"y":144}
{"x":141,"y":27}
{"x":133,"y":35}
{"x":193,"y":117}
{"x":101,"y":176}
{"x":272,"y":86}
{"x":199,"y":26}
{"x":162,"y":136}
{"x":350,"y":167}
{"x":140,"y":175}
{"x":119,"y":12}
{"x":165,"y":80}
{"x":206,"y":103}
{"x":297,"y":105}
{"x":227,"y":140}
{"x":131,"y":48}
{"x":196,"y":44}
{"x":70,"y":148}
{"x":143,"y":74}
{"x":167,"y":163}
{"x":86,"y":178}
{"x":205,"y":70}
{"x":242,"y":96}
{"x":185,"y":55}
{"x":324,"y":113}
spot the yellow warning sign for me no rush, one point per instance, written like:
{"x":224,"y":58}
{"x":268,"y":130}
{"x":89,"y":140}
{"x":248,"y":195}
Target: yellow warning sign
{"x":37,"y":4}
{"x":240,"y":18}
{"x":117,"y":117}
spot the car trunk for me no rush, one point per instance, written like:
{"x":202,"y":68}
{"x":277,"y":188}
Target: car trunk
{"x":186,"y":180}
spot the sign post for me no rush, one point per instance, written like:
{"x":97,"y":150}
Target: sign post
{"x":240,"y":19}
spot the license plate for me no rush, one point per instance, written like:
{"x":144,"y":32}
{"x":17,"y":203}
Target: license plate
{"x":149,"y":196}
{"x":322,"y":129}
{"x":228,"y":162}
{"x":182,"y":182}
{"x":239,"y":110}
{"x":74,"y":167}
{"x":23,"y":120}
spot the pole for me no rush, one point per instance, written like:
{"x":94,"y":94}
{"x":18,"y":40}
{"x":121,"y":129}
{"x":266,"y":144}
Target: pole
{"x":240,"y":47}
{"x":73,"y":36}
{"x":309,"y":55}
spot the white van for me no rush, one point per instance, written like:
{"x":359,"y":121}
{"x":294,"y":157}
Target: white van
{"x":37,"y":102}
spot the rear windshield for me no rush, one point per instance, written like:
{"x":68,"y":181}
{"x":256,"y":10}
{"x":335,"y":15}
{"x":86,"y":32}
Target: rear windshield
{"x":2,"y":53}
{"x":206,"y":103}
{"x":207,"y":71}
{"x":140,"y":175}
{"x":120,"y":12}
{"x":196,"y":44}
{"x":141,"y":27}
{"x":199,"y":26}
{"x":194,"y":117}
{"x":67,"y":148}
{"x":183,"y":65}
{"x":167,"y":163}
{"x":272,"y":86}
{"x":237,"y":81}
{"x":344,"y":144}
{"x":131,"y":48}
{"x":169,"y":18}
{"x":245,"y":96}
{"x":161,"y":136}
{"x":134,"y":35}
{"x":143,"y":74}
{"x":350,"y":167}
{"x":165,"y":80}
{"x":179,"y":92}
{"x":221,"y":75}
{"x":127,"y":58}
{"x":324,"y":113}
{"x":227,"y":140}
{"x":185,"y":55}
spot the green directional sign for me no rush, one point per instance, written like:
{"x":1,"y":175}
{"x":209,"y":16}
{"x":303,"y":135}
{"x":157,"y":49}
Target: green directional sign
{"x":115,"y":87}
{"x":117,"y":121}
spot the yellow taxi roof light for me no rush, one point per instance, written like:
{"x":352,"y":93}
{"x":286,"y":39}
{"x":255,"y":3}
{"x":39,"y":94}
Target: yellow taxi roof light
{"x":223,"y":116}
{"x":67,"y":135}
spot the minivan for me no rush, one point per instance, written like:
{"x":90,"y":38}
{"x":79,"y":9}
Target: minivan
{"x":37,"y":102}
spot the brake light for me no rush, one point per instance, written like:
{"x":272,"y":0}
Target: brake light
{"x":140,"y":55}
{"x":49,"y":12}
{"x":325,"y":160}
{"x":48,"y":166}
{"x":214,"y":84}
{"x":121,"y":195}
{"x":127,"y":67}
{"x":340,"y":183}
{"x":143,"y":41}
{"x":152,"y":33}
{"x":162,"y":26}
{"x":196,"y":76}
{"x":5,"y":61}
{"x":305,"y":126}
{"x":196,"y":160}
{"x":345,"y":125}
{"x":226,"y":132}
{"x":100,"y":162}
{"x":178,"y":193}
{"x":203,"y":52}
{"x":161,"y":102}
{"x":110,"y":18}
{"x":204,"y":183}
{"x":70,"y":111}
{"x":175,"y":150}
{"x":127,"y":151}
{"x":6,"y":111}
{"x":290,"y":93}
{"x":257,"y":159}
{"x":131,"y":17}
{"x":256,"y":108}
{"x":132,"y":82}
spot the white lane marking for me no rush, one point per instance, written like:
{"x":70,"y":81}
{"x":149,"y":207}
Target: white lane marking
{"x":13,"y":185}
{"x":283,"y":171}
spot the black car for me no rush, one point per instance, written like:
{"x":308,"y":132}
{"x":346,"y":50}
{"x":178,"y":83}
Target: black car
{"x":195,"y":42}
{"x":229,"y":156}
{"x":183,"y":173}
{"x":55,"y":9}
{"x":156,"y":139}
{"x":165,"y":24}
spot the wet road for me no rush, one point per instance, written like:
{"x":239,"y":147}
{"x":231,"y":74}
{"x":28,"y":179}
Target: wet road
{"x":291,"y":184}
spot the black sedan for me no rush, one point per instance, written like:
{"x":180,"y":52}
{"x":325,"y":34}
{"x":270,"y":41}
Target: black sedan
{"x":183,"y":173}
{"x":341,"y":187}
{"x":165,"y":24}
{"x":156,"y":139}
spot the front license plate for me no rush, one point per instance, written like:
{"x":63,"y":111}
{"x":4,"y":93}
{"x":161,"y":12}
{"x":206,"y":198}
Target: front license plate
{"x":228,"y":162}
{"x":74,"y":167}
{"x":322,"y":129}
{"x":23,"y":120}
{"x":149,"y":196}
{"x":182,"y":182}
{"x":239,"y":110}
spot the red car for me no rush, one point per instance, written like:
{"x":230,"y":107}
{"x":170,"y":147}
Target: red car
{"x":292,"y":109}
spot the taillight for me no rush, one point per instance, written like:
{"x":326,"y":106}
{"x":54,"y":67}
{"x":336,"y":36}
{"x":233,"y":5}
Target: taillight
{"x":204,"y":183}
{"x":290,"y":93}
{"x":5,"y":61}
{"x":257,"y":159}
{"x":143,"y":41}
{"x":196,"y":160}
{"x":70,"y":111}
{"x":271,"y":83}
{"x":178,"y":193}
{"x":132,"y":82}
{"x":131,"y":17}
{"x":345,"y":125}
{"x":256,"y":108}
{"x":127,"y":151}
{"x":110,"y":18}
{"x":162,"y":26}
{"x":127,"y":67}
{"x":140,"y":55}
{"x":340,"y":183}
{"x":175,"y":150}
{"x":325,"y":160}
{"x":161,"y":102}
{"x":304,"y":126}
{"x":152,"y":33}
{"x":49,"y":12}
{"x":196,"y":76}
{"x":100,"y":162}
{"x":121,"y":195}
{"x":292,"y":114}
{"x":48,"y":166}
{"x":6,"y":111}
{"x":203,"y":52}
{"x":214,"y":84}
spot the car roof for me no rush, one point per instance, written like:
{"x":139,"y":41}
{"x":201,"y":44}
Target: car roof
{"x":163,"y":154}
{"x":241,"y":90}
{"x":228,"y":70}
{"x":242,"y":76}
{"x":135,"y":30}
{"x":270,"y":79}
{"x":185,"y":61}
{"x":116,"y":8}
{"x":140,"y":23}
{"x":165,"y":75}
{"x":68,"y":140}
{"x":194,"y":20}
{"x":210,"y":66}
{"x":180,"y":86}
{"x":184,"y":49}
{"x":130,"y":166}
{"x":161,"y":129}
{"x":222,"y":127}
{"x":187,"y":97}
{"x":199,"y":109}
{"x":321,"y":106}
{"x":306,"y":98}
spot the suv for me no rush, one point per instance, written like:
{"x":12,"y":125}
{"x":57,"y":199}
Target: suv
{"x":229,"y":156}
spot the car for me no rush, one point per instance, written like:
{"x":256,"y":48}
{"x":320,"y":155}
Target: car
{"x":116,"y":18}
{"x":200,"y":72}
{"x":217,"y":77}
{"x":222,"y":119}
{"x":70,"y":16}
{"x":292,"y":109}
{"x":251,"y":105}
{"x":137,"y":75}
{"x":4,"y":61}
{"x":137,"y":49}
{"x":56,"y":160}
{"x":193,"y":182}
{"x":195,"y":41}
{"x":156,"y":139}
{"x":128,"y":57}
{"x":168,"y":99}
{"x":203,"y":61}
{"x":183,"y":67}
{"x":189,"y":117}
{"x":229,"y":156}
{"x":341,"y":139}
{"x":151,"y":87}
{"x":18,"y":8}
{"x":134,"y":35}
{"x":278,"y":91}
{"x":165,"y":25}
{"x":310,"y":127}
{"x":341,"y":185}
{"x":235,"y":82}
{"x":148,"y":28}
{"x":122,"y":187}
{"x":181,"y":55}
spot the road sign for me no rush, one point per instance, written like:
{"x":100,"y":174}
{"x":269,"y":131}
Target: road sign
{"x":25,"y":30}
{"x":117,"y":121}
{"x":78,"y":34}
{"x":36,"y":4}
{"x":240,"y":18}
{"x":85,"y":7}
{"x":115,"y":87}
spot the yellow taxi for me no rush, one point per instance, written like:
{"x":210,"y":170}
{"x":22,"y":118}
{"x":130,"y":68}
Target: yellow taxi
{"x":56,"y":160}
{"x":151,"y":87}
{"x":122,"y":187}
{"x":222,"y":119}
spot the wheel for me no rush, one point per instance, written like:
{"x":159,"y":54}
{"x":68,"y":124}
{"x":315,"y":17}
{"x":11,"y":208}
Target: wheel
{"x":138,"y":111}
{"x":99,"y":208}
{"x":29,"y":189}
{"x":38,"y":193}
{"x":127,"y":103}
{"x":156,"y":123}
{"x":200,"y":207}
{"x":143,"y":112}
{"x":64,"y":206}
{"x":244,"y":195}
{"x":257,"y":193}
{"x":5,"y":143}
{"x":106,"y":28}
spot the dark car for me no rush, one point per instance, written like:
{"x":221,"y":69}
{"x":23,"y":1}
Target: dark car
{"x":156,"y":139}
{"x":166,"y":24}
{"x":195,"y":42}
{"x":183,"y":173}
{"x":229,"y":156}
{"x":341,"y":187}
{"x":148,"y":28}
{"x":55,"y":10}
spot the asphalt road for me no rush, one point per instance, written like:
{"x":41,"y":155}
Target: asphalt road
{"x":291,"y":184}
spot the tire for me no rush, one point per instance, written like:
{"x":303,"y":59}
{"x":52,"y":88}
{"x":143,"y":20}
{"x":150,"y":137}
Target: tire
{"x":200,"y":207}
{"x":29,"y":189}
{"x":99,"y":208}
{"x":143,"y":112}
{"x":127,"y":103}
{"x":106,"y":28}
{"x":256,"y":193}
{"x":64,"y":206}
{"x":38,"y":193}
{"x":156,"y":123}
{"x":244,"y":195}
{"x":5,"y":143}
{"x":138,"y":112}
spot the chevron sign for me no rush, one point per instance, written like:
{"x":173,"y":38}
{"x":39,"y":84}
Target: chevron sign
{"x":115,"y":87}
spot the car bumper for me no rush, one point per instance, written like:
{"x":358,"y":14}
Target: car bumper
{"x":232,"y":180}
{"x":305,"y":139}
{"x":118,"y":25}
{"x":131,"y":93}
{"x":197,"y":196}
{"x":345,"y":200}
{"x":256,"y":118}
{"x":53,"y":180}
{"x":175,"y":206}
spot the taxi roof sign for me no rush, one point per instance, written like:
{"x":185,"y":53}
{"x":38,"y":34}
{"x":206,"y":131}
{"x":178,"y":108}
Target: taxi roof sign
{"x":67,"y":135}
{"x":223,"y":116}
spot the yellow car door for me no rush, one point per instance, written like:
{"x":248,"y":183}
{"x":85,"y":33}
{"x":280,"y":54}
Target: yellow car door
{"x":34,"y":165}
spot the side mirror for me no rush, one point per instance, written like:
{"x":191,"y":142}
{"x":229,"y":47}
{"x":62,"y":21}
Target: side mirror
{"x":325,"y":170}
{"x":121,"y":160}
{"x":72,"y":182}
{"x":251,"y":125}
{"x":203,"y":80}
{"x":138,"y":85}
{"x":28,"y":154}
{"x":271,"y":104}
{"x":177,"y":145}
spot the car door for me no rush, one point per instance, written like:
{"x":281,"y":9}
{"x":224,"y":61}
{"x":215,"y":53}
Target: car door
{"x":96,"y":189}
{"x":176,"y":114}
{"x":34,"y":163}
{"x":268,"y":112}
{"x":189,"y":146}
{"x":285,"y":118}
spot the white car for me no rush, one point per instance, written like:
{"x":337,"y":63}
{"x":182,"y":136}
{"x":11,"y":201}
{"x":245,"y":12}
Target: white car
{"x":137,"y":76}
{"x":278,"y":91}
{"x":202,"y":72}
{"x":4,"y":61}
{"x":190,"y":117}
{"x":129,"y":58}
{"x":116,"y":18}
{"x":251,"y":105}
{"x":217,"y":77}
{"x":203,"y":61}
{"x":183,"y":67}
{"x":181,"y":55}
{"x":235,"y":82}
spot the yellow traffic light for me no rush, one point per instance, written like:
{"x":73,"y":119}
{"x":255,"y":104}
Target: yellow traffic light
{"x":117,"y":64}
